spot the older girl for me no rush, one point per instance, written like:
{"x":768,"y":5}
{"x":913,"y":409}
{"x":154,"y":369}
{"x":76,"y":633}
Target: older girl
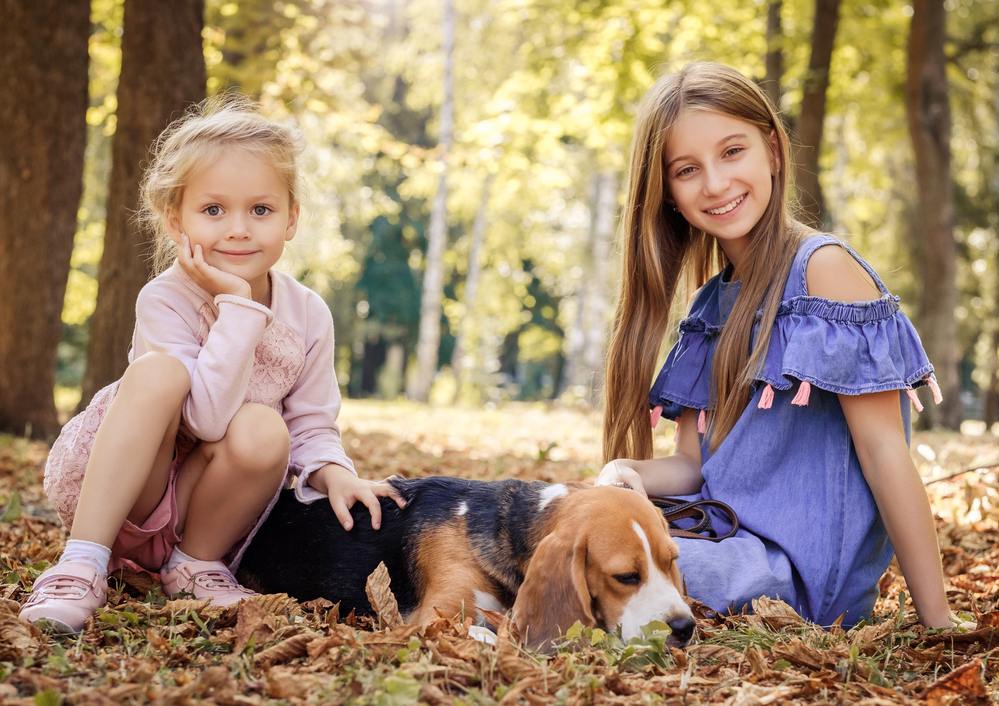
{"x":791,"y":378}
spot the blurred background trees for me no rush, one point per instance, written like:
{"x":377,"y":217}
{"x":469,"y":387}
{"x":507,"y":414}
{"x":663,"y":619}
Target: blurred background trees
{"x":529,"y":182}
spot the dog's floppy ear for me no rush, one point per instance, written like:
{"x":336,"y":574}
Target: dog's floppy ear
{"x":554,"y":594}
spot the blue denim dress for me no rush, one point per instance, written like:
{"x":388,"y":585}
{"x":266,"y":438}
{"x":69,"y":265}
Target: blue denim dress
{"x":811,"y":533}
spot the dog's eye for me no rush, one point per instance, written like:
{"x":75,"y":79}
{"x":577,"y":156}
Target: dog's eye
{"x":631,"y":579}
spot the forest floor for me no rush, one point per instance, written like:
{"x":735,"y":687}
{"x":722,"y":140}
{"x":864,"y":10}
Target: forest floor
{"x":143,"y":649}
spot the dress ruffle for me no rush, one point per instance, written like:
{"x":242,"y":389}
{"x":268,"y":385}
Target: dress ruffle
{"x":685,"y":378}
{"x":850,"y":349}
{"x":846,"y":349}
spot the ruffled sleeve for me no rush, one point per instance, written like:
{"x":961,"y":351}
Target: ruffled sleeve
{"x":843,"y":348}
{"x":846,"y":349}
{"x":685,"y":378}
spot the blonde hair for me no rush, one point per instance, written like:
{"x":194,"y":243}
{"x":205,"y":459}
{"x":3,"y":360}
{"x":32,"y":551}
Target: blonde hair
{"x":661,"y":248}
{"x":217,"y":125}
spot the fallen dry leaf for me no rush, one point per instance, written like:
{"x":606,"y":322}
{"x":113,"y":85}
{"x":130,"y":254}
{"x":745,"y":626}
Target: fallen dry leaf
{"x":286,"y":650}
{"x":871,"y":633}
{"x":754,"y":695}
{"x":252,"y":621}
{"x":17,"y":640}
{"x":776,"y":613}
{"x":382,"y":599}
{"x":797,"y":652}
{"x":964,"y":682}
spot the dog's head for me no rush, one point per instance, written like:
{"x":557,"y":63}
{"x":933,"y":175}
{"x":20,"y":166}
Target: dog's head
{"x":606,"y":560}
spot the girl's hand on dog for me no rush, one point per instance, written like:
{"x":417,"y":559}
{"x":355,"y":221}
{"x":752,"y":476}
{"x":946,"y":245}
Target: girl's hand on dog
{"x":619,"y":474}
{"x":344,"y":489}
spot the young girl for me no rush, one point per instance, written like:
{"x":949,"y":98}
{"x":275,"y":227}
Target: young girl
{"x":230,"y":384}
{"x":790,"y":378}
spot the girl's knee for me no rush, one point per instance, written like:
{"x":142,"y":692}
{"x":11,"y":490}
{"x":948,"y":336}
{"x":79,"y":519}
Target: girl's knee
{"x":258,"y":439}
{"x":157,"y":374}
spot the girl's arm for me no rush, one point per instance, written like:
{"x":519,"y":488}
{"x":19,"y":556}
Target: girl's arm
{"x":679,"y":474}
{"x":875,"y":422}
{"x":310,"y":411}
{"x":220,"y":361}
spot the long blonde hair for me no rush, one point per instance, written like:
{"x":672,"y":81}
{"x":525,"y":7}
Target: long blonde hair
{"x":217,"y":125}
{"x":661,"y":249}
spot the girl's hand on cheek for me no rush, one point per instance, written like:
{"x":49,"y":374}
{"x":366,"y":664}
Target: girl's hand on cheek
{"x":211,"y":279}
{"x":344,"y":489}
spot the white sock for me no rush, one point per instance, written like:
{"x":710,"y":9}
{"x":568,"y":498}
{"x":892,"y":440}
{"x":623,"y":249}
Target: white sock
{"x":97,"y":555}
{"x":176,"y":558}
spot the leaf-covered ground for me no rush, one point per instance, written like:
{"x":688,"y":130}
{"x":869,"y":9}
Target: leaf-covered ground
{"x":143,"y":649}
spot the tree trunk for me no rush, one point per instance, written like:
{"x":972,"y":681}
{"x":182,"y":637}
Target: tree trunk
{"x":990,"y":397}
{"x":775,"y":52}
{"x":928,"y":110}
{"x":428,"y":343}
{"x":162,"y":73}
{"x":43,"y":132}
{"x":471,"y":282}
{"x":595,"y":339}
{"x":584,"y":368}
{"x":808,"y":129}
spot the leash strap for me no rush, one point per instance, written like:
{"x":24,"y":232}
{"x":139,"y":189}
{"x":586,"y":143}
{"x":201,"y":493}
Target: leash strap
{"x":674,"y":509}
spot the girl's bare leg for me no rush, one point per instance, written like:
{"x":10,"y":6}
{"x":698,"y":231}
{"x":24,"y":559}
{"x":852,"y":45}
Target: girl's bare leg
{"x":129,"y":465}
{"x":223,"y":486}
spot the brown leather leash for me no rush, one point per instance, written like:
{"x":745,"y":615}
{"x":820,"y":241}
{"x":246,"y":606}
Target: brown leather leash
{"x":674,"y":509}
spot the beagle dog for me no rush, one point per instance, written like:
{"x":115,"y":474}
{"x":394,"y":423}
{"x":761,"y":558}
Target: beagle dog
{"x":553,"y":554}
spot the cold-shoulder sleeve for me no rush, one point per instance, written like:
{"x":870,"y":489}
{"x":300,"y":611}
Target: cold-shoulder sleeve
{"x":845,"y":348}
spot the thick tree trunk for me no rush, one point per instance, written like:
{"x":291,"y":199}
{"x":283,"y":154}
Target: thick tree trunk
{"x":928,"y":110}
{"x":43,"y":109}
{"x":428,"y":343}
{"x":471,"y":283}
{"x":775,"y":52}
{"x":162,"y":73}
{"x":808,"y":129}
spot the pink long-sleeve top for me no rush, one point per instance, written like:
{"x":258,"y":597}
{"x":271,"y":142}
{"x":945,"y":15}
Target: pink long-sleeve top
{"x":238,"y":351}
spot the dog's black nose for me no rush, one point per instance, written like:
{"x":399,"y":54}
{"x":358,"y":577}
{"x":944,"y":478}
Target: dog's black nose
{"x":683,"y":629}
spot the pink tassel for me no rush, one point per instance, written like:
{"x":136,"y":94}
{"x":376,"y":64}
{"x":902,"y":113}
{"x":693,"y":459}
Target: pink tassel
{"x":937,"y":397}
{"x":657,"y":412}
{"x":804,"y":390}
{"x":702,"y":422}
{"x":767,"y":398}
{"x":915,"y":400}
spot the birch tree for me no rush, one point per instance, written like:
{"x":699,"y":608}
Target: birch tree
{"x":428,"y":344}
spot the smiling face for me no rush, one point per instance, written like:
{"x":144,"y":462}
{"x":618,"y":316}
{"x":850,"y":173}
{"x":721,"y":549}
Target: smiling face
{"x":720,"y":174}
{"x":238,"y":210}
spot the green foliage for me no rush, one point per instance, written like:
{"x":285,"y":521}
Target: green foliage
{"x":545,"y":93}
{"x":13,"y":510}
{"x":632,"y":655}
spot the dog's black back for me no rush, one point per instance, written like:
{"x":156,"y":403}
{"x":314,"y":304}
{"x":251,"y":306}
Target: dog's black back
{"x":303,"y":550}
